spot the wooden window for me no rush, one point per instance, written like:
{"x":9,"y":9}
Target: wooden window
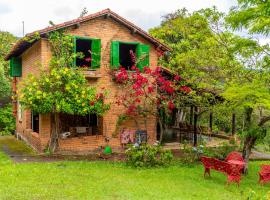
{"x":90,"y":51}
{"x":121,"y":54}
{"x":15,"y":65}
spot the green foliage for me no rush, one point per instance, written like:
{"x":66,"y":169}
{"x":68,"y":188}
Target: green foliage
{"x":6,"y":41}
{"x":191,"y":155}
{"x":253,"y":15}
{"x":61,"y":90}
{"x":220,"y":152}
{"x":62,"y":47}
{"x":148,"y":156}
{"x":7,"y":121}
{"x":204,"y":50}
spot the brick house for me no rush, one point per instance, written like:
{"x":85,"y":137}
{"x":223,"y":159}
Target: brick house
{"x":110,"y":37}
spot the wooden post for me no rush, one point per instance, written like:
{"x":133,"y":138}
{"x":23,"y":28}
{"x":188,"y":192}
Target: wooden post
{"x":211,"y":121}
{"x":191,"y":115}
{"x":233,"y":124}
{"x":195,"y":126}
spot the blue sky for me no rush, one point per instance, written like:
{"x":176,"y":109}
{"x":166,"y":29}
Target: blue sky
{"x":144,"y":13}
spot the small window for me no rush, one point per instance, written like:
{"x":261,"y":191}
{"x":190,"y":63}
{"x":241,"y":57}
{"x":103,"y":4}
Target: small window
{"x":83,"y":47}
{"x":15,"y":67}
{"x":126,"y":55}
{"x":89,"y":50}
{"x":35,"y":122}
{"x":19,"y":111}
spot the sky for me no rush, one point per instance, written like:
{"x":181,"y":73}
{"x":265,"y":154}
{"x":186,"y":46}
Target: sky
{"x":145,"y":13}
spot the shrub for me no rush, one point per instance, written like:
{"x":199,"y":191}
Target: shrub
{"x":7,"y":121}
{"x":191,"y":155}
{"x":220,"y":152}
{"x":148,"y":156}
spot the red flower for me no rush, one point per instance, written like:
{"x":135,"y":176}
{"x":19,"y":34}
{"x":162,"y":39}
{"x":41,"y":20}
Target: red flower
{"x":147,"y":70}
{"x":177,"y":78}
{"x":92,"y":103}
{"x":185,"y":89}
{"x":171,"y":105}
{"x":88,"y":59}
{"x":150,"y":89}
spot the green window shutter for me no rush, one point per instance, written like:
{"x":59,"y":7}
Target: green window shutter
{"x":142,"y":56}
{"x":75,"y":51}
{"x":15,"y":67}
{"x":96,"y":53}
{"x":115,"y":54}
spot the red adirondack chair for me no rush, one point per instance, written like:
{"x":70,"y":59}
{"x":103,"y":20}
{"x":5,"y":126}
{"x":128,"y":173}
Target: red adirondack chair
{"x":264,"y":174}
{"x":236,"y":156}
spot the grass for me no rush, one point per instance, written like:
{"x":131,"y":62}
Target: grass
{"x":106,"y":180}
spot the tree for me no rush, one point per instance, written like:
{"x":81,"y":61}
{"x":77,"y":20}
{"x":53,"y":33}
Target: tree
{"x":253,"y":15}
{"x":149,"y":93}
{"x":6,"y":42}
{"x":204,"y":50}
{"x":253,"y":99}
{"x":61,"y":88}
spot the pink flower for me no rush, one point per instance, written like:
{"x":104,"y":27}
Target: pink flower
{"x":177,"y":78}
{"x":171,"y":105}
{"x":185,"y":89}
{"x":147,"y":70}
{"x":88,"y":59}
{"x":150,"y":89}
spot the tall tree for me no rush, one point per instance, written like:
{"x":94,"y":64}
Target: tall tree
{"x":253,"y":15}
{"x":6,"y":42}
{"x":204,"y":50}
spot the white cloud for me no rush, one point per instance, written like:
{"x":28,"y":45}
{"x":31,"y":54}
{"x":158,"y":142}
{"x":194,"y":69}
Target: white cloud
{"x":144,"y":13}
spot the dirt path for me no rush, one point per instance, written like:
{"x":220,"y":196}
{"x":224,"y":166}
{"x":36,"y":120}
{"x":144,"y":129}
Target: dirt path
{"x":19,"y":152}
{"x":256,"y":155}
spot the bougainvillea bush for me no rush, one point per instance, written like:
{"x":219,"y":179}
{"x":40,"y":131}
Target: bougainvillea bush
{"x":149,"y":93}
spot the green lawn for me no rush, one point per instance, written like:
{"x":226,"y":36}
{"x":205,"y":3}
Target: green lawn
{"x":104,"y":180}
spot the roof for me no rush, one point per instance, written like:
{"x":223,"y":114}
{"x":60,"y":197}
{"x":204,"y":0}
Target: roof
{"x":22,"y":45}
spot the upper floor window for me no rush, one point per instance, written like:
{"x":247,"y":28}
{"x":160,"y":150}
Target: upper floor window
{"x":128,"y":54}
{"x":89,"y":51}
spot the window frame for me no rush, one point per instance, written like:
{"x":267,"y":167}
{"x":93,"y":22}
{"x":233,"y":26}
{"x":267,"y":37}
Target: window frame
{"x":75,"y":37}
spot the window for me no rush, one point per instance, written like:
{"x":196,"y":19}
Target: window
{"x":80,"y":125}
{"x":89,"y":50}
{"x":121,"y":54}
{"x":19,"y":111}
{"x":15,"y":67}
{"x":35,"y":121}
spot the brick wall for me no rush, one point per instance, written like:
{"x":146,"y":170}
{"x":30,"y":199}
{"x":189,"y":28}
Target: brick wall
{"x":39,"y":54}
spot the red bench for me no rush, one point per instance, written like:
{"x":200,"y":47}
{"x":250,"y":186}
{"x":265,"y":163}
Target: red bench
{"x":233,"y":172}
{"x":264,"y":174}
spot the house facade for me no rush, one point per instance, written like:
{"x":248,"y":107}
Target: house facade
{"x":109,"y":39}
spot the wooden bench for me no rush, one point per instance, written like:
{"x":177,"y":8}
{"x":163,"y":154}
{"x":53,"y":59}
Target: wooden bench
{"x":264,"y":174}
{"x":233,"y":172}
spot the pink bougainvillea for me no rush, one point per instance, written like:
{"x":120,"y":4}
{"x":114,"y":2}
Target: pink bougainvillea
{"x":145,"y":92}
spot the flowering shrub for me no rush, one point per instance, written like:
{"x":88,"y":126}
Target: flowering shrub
{"x":147,"y":92}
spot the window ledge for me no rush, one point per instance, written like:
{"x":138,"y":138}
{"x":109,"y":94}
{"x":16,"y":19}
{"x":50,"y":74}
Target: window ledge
{"x":91,"y":73}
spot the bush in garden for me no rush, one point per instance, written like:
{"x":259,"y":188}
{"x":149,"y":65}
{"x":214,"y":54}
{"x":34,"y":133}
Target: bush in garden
{"x":148,"y":156}
{"x":7,"y":121}
{"x":220,"y":152}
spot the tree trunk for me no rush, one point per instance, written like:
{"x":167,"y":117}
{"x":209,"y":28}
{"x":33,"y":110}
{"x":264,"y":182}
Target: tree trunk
{"x":161,"y":129}
{"x":55,"y":124}
{"x":249,"y":140}
{"x":195,"y":126}
{"x":248,"y":144}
